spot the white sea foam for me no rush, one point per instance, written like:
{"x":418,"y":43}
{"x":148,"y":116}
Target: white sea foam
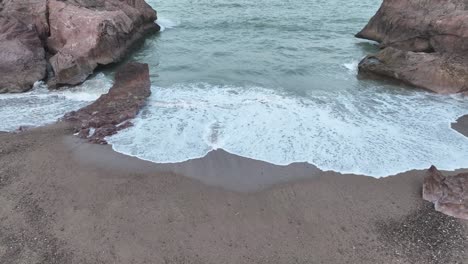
{"x":165,"y":23}
{"x":371,"y":133}
{"x":352,"y":66}
{"x":41,"y":106}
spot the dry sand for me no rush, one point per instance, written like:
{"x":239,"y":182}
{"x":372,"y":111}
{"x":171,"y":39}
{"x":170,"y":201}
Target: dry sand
{"x":65,"y":201}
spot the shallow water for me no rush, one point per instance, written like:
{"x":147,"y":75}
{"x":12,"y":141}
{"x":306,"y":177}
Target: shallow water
{"x":40,"y":106}
{"x":276,"y":81}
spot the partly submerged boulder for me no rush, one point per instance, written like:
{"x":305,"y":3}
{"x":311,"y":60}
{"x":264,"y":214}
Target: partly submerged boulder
{"x":440,"y":73}
{"x":88,"y":33}
{"x":435,"y":32}
{"x":22,"y":56}
{"x":111,"y":112}
{"x":449,"y":194}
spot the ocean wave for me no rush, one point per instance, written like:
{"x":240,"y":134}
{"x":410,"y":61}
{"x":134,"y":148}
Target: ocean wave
{"x":352,"y":66}
{"x":367,"y":132}
{"x":165,"y":23}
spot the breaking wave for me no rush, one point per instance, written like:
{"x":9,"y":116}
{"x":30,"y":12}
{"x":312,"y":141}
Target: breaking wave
{"x":165,"y":23}
{"x":41,"y":106}
{"x":376,"y":134}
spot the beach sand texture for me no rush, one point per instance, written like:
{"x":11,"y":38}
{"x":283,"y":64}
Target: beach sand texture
{"x":65,"y":201}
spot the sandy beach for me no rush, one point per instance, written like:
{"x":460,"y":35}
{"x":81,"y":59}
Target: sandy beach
{"x":66,"y":201}
{"x":249,"y":82}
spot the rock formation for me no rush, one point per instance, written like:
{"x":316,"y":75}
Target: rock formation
{"x":429,"y":41}
{"x":440,"y":73}
{"x":449,"y":194}
{"x":111,"y":112}
{"x":22,"y":56}
{"x":32,"y":13}
{"x":78,"y":35}
{"x":418,"y":25}
{"x":461,"y":125}
{"x":85,"y":34}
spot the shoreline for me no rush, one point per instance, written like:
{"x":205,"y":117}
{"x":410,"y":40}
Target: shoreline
{"x":66,"y":200}
{"x":217,"y":168}
{"x":88,"y":204}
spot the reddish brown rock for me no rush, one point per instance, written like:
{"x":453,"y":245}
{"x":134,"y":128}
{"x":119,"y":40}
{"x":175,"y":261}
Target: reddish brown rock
{"x":449,"y":194}
{"x":22,"y":57}
{"x":111,"y":112}
{"x":88,"y":33}
{"x":440,"y":73}
{"x":449,"y":34}
{"x":418,"y":25}
{"x":79,"y":35}
{"x":430,"y":26}
{"x":32,"y":13}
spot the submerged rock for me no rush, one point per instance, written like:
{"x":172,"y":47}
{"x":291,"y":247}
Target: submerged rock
{"x":449,"y":194}
{"x":429,"y":42}
{"x":440,"y":73}
{"x":22,"y":56}
{"x":85,"y":34}
{"x":111,"y":112}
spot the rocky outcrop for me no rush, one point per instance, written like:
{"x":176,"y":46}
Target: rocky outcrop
{"x":78,"y":35}
{"x":432,"y":38}
{"x":85,"y":34}
{"x":449,"y":194}
{"x":419,"y":25}
{"x":440,"y":73}
{"x":32,"y":13}
{"x":22,"y":57}
{"x":461,"y":125}
{"x":111,"y":112}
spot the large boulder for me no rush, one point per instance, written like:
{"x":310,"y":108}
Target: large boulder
{"x":449,"y":33}
{"x":78,"y":35}
{"x":440,"y":73}
{"x":461,"y":125}
{"x":111,"y":111}
{"x":88,"y":33}
{"x":32,"y":13}
{"x":425,"y":43}
{"x":22,"y":56}
{"x":418,"y":25}
{"x":449,"y":194}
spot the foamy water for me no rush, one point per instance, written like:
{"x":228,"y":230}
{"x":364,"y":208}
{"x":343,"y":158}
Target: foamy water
{"x":352,"y":66}
{"x":166,"y":23}
{"x":398,"y":133}
{"x":41,"y":106}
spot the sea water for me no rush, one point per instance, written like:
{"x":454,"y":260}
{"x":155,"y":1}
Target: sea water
{"x":273,"y":80}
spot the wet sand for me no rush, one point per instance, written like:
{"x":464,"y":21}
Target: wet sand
{"x":66,"y":201}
